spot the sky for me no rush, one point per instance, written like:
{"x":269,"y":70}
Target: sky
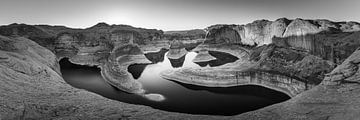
{"x":171,"y":14}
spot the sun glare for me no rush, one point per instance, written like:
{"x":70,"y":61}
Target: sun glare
{"x":117,"y":17}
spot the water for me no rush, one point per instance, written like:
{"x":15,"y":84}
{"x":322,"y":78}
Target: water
{"x":180,"y":97}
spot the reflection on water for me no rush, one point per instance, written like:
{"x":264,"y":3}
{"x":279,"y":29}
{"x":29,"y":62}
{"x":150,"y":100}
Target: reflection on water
{"x":179,"y":97}
{"x":150,"y":77}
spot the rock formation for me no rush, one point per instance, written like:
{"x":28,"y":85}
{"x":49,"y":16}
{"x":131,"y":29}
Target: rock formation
{"x":203,"y":56}
{"x":156,"y":57}
{"x":115,"y":70}
{"x":291,"y":56}
{"x":177,"y":50}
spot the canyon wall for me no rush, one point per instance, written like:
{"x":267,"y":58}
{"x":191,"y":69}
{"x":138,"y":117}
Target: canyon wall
{"x":326,"y":39}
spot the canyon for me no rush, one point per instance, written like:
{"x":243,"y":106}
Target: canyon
{"x":315,"y":62}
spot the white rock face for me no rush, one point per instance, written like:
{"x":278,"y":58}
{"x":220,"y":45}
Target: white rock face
{"x":155,"y":97}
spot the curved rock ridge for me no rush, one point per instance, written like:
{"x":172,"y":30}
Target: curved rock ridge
{"x":115,"y":70}
{"x":322,"y":38}
{"x":304,"y":69}
{"x":223,"y":78}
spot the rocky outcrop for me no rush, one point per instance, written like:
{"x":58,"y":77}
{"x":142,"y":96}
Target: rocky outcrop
{"x":203,"y":56}
{"x":177,"y":50}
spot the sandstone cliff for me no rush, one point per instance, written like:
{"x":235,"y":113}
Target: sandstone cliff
{"x":324,"y":38}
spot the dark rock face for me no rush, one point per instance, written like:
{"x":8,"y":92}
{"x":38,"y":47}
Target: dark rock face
{"x":291,"y":62}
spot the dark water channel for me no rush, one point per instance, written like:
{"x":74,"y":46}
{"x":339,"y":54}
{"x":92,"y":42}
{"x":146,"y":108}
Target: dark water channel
{"x":180,"y":97}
